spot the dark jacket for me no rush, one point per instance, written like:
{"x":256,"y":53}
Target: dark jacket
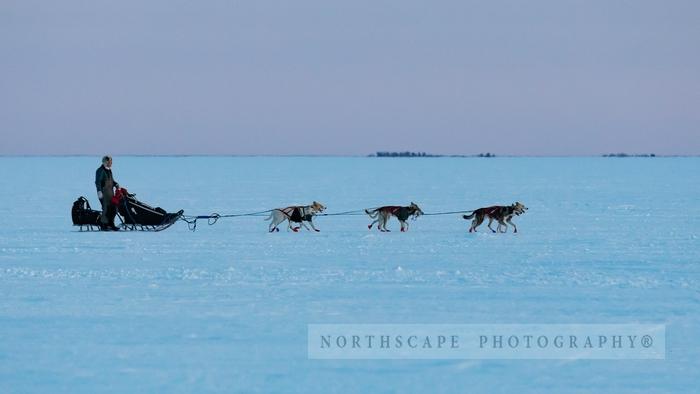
{"x":102,"y":175}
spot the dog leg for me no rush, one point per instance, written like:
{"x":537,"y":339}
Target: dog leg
{"x":489,"y":225}
{"x":274,"y":223}
{"x":477,"y":222}
{"x":515,"y":229}
{"x":311,"y":224}
{"x":501,"y":223}
{"x":314,"y":227}
{"x":372,"y":224}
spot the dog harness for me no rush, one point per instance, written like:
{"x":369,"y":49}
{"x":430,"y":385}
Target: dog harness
{"x":402,"y":213}
{"x":297,"y":214}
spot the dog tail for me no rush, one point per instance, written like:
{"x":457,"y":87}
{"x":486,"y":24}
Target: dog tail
{"x":269,"y":217}
{"x":467,"y":217}
{"x":373,"y":213}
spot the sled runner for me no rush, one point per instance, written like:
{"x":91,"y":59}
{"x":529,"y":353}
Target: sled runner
{"x":139,"y":216}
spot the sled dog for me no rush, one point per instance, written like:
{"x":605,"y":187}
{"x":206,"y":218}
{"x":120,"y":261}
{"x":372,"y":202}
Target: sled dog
{"x":502,"y":214}
{"x":381,"y":215}
{"x":295,"y":214}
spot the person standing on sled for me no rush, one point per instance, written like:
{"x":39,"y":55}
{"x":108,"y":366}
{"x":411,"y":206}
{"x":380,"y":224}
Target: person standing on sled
{"x":105,"y":183}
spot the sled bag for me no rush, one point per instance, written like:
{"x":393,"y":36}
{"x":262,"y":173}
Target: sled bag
{"x":82,"y":214}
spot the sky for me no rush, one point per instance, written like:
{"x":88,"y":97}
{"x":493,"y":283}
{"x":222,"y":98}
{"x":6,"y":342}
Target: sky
{"x":349,"y":77}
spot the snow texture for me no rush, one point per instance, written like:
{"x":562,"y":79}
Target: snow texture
{"x":226,"y":308}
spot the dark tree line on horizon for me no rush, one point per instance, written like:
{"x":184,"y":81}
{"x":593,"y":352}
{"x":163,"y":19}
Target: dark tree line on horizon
{"x":423,"y":154}
{"x":487,"y":154}
{"x":629,"y":155}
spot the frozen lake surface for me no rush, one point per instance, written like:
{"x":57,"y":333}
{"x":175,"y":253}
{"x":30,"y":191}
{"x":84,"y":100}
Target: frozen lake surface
{"x":226,"y":308}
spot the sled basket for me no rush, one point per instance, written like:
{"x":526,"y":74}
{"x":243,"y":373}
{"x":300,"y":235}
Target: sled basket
{"x":139,"y":216}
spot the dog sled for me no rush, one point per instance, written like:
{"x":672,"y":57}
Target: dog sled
{"x":137,"y":215}
{"x":134,"y":215}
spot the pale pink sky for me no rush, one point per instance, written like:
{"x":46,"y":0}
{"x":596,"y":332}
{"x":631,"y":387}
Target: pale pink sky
{"x":353,"y":77}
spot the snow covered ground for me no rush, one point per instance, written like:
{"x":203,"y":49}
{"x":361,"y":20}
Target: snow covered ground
{"x":226,"y":308}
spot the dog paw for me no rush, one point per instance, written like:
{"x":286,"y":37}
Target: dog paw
{"x":318,"y":231}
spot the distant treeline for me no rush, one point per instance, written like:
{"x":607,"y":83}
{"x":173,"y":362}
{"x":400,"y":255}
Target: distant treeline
{"x":423,"y":154}
{"x":628,"y":155}
{"x":487,"y":154}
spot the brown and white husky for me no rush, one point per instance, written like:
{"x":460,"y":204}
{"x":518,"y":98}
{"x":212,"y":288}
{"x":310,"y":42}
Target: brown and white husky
{"x":502,"y":214}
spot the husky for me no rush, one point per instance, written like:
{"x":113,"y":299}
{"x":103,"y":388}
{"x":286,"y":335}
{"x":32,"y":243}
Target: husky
{"x":381,"y":215}
{"x":502,"y":214}
{"x":295,"y":214}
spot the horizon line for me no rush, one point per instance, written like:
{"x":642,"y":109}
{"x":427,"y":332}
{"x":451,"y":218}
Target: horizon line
{"x":372,"y":155}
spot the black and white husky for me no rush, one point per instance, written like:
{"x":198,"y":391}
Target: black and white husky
{"x":381,"y":215}
{"x":295,"y":214}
